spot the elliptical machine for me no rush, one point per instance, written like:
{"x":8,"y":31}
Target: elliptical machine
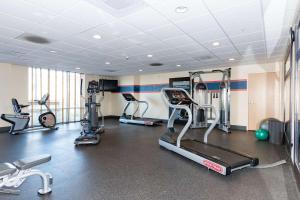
{"x":91,"y":128}
{"x":20,"y":120}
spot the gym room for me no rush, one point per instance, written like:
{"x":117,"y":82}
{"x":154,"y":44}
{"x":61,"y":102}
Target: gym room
{"x":150,"y":99}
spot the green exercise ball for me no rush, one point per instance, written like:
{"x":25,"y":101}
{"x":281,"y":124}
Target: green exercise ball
{"x":261,"y":134}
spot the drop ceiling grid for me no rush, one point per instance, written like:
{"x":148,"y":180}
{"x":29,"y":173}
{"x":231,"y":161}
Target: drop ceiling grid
{"x":186,"y":34}
{"x":209,"y":50}
{"x":77,"y":45}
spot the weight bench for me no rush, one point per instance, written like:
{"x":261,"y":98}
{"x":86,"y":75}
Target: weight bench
{"x":13,"y":175}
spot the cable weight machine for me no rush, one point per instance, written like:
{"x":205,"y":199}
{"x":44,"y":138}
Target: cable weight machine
{"x":203,"y":94}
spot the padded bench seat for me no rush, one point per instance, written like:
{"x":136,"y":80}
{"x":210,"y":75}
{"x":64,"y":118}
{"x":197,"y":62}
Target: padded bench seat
{"x":27,"y":163}
{"x":7,"y":169}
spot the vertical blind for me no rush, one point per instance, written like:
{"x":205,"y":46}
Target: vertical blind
{"x":64,"y":94}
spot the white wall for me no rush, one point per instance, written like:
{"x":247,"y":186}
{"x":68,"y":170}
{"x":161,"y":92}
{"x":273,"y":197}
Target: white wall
{"x":13,"y":83}
{"x":106,"y":105}
{"x":157,"y":108}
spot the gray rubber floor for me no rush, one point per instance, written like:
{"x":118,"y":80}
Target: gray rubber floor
{"x":129,"y":164}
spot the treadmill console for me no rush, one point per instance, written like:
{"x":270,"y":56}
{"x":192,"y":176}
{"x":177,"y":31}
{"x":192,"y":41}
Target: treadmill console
{"x":129,"y":97}
{"x":178,"y":97}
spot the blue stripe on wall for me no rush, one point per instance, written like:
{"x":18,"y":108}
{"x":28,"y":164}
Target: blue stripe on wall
{"x":235,"y":85}
{"x":142,"y":88}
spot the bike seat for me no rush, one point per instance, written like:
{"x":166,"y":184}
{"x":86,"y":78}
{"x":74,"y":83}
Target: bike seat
{"x":24,"y":114}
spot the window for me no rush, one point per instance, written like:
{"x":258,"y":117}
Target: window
{"x":64,"y":94}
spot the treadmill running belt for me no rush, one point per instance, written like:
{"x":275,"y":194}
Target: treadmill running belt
{"x":222,"y":155}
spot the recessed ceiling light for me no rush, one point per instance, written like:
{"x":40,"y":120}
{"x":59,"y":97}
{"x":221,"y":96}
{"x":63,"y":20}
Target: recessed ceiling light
{"x":97,"y":37}
{"x":52,"y":51}
{"x":149,"y":56}
{"x":216,"y":44}
{"x":107,"y":63}
{"x":181,"y":9}
{"x":231,"y":59}
{"x":178,"y":65}
{"x":140,"y":70}
{"x":77,"y":68}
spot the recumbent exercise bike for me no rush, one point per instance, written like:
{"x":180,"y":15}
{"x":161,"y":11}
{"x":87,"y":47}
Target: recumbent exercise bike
{"x":20,"y":120}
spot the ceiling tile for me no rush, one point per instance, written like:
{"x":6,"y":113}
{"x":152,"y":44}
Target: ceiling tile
{"x":155,"y":46}
{"x":236,"y":20}
{"x":87,"y":14}
{"x":225,"y":50}
{"x":197,"y":24}
{"x":165,"y":32}
{"x":247,"y":38}
{"x":117,"y":28}
{"x":217,"y":5}
{"x":67,"y":26}
{"x":191,"y":48}
{"x":56,"y":6}
{"x":138,"y":28}
{"x":9,"y":32}
{"x":66,"y":47}
{"x":167,"y":8}
{"x":224,"y":42}
{"x":118,"y":44}
{"x":209,"y":35}
{"x":77,"y":41}
{"x":244,"y":47}
{"x":141,"y":38}
{"x":16,"y":23}
{"x":24,"y":10}
{"x":179,"y":41}
{"x":146,"y":19}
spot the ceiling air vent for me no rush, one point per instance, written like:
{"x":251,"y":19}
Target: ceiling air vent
{"x":110,"y":70}
{"x":156,"y":64}
{"x":204,"y":57}
{"x":33,"y":38}
{"x":119,"y":8}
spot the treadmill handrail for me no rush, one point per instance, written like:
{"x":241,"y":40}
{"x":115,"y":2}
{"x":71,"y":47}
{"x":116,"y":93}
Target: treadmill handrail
{"x":178,"y":107}
{"x":138,"y":102}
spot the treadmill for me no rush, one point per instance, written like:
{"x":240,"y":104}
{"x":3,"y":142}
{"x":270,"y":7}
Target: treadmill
{"x":131,"y":119}
{"x":218,"y":159}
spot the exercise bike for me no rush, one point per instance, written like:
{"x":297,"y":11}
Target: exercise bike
{"x":91,"y":128}
{"x":20,"y":120}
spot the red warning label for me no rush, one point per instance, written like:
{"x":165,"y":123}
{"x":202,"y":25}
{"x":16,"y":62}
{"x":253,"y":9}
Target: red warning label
{"x":213,"y":166}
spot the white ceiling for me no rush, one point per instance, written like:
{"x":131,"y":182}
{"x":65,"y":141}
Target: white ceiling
{"x":250,"y":31}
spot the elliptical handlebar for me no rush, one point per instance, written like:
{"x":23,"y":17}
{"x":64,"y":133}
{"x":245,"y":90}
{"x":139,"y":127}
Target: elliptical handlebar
{"x":93,"y":88}
{"x":43,"y":100}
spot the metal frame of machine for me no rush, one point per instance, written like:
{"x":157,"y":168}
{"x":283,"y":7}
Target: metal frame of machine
{"x":19,"y":120}
{"x":218,"y":159}
{"x":131,"y":119}
{"x":91,"y":129}
{"x":223,"y":95}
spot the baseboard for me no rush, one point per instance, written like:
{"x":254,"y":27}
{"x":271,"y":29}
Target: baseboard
{"x":111,"y":117}
{"x":238,"y":128}
{"x":232,"y":127}
{"x":4,"y":129}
